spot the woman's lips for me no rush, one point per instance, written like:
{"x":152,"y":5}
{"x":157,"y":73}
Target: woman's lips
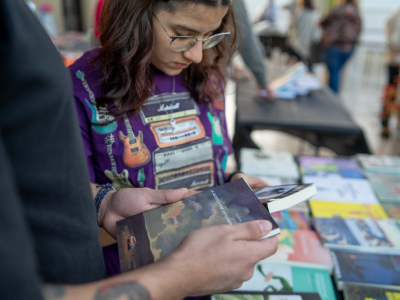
{"x":181,"y":66}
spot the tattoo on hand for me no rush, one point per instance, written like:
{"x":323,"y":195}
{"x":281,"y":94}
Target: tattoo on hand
{"x":131,"y":290}
{"x":51,"y":292}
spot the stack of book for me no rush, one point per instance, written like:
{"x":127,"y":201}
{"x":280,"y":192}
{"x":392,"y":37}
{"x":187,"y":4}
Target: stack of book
{"x":348,"y":215}
{"x":384,"y":174}
{"x":296,"y":81}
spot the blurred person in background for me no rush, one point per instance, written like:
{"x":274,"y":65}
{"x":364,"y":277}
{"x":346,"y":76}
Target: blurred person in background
{"x":269,"y":13}
{"x":304,"y":30}
{"x":341,"y":30}
{"x":393,"y":61}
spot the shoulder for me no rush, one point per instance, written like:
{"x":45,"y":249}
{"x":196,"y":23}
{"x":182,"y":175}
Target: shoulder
{"x":83,"y":72}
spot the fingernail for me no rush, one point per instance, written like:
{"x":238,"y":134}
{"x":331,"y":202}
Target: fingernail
{"x":265,"y":226}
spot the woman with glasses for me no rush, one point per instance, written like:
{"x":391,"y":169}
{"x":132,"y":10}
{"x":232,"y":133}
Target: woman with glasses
{"x":150,"y":100}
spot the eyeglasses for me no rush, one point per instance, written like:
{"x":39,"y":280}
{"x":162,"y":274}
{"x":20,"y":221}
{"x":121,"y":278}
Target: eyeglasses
{"x":183,"y":43}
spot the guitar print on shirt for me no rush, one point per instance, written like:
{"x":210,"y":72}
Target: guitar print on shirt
{"x":136,"y":152}
{"x":99,"y":116}
{"x":119,"y":181}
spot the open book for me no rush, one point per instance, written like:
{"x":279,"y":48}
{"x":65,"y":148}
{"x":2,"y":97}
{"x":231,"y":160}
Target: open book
{"x":281,"y":197}
{"x":152,"y":235}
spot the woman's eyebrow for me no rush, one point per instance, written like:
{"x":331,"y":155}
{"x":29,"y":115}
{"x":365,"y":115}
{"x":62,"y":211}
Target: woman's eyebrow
{"x":182,"y":26}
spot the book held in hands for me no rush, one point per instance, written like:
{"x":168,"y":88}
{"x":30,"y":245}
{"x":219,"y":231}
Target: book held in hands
{"x":152,"y":235}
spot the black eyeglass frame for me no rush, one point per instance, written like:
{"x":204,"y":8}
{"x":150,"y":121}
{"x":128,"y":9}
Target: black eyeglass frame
{"x":174,"y":38}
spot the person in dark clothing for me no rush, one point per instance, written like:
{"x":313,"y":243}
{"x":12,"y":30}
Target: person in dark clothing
{"x":47,"y":204}
{"x":341,"y":30}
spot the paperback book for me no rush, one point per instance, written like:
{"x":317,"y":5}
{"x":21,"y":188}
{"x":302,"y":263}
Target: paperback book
{"x":292,"y":220}
{"x":258,"y":162}
{"x":282,"y":197}
{"x":270,"y":277}
{"x":366,"y":292}
{"x":387,"y":191}
{"x":362,"y":234}
{"x":266,"y":296}
{"x":325,"y":209}
{"x":301,"y":248}
{"x":366,"y":268}
{"x":392,"y":210}
{"x":330,"y":167}
{"x":150,"y":236}
{"x":380,"y":164}
{"x":345,"y":190}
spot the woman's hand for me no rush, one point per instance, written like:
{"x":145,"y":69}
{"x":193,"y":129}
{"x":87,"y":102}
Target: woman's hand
{"x":253,"y":182}
{"x":118,"y":205}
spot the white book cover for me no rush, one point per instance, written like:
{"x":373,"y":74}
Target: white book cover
{"x":257,"y":162}
{"x":346,"y":190}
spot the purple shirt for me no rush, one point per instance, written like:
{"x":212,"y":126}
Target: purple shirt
{"x":174,"y":142}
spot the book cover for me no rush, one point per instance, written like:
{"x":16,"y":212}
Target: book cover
{"x":147,"y":237}
{"x":367,"y":234}
{"x":301,"y":248}
{"x":282,"y":197}
{"x":387,"y":191}
{"x":325,"y":209}
{"x":365,"y":292}
{"x":345,"y":190}
{"x":292,"y":219}
{"x":258,"y":162}
{"x":368,"y":268}
{"x":266,"y":296}
{"x":380,"y":164}
{"x":330,"y":167}
{"x":392,"y":209}
{"x":270,"y":277}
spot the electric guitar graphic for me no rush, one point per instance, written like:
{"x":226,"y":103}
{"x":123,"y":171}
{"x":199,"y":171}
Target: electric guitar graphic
{"x":136,"y":153}
{"x":119,"y":181}
{"x":217,"y":136}
{"x":99,"y":116}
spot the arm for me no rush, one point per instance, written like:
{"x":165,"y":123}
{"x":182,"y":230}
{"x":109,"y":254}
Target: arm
{"x":250,"y":49}
{"x":118,"y":205}
{"x":209,"y":260}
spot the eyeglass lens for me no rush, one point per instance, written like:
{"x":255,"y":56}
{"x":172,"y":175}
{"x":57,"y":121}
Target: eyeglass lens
{"x":185,"y":43}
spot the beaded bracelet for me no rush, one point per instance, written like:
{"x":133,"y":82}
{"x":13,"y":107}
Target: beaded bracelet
{"x":105,"y":188}
{"x":231,"y":175}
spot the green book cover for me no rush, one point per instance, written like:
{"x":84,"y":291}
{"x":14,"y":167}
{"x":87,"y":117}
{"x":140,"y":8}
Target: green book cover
{"x":269,"y":277}
{"x":265,"y":296}
{"x":152,"y":235}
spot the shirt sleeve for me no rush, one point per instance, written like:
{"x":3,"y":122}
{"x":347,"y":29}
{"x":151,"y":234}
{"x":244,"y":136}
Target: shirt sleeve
{"x":84,"y":124}
{"x":249,"y":46}
{"x":19,"y":277}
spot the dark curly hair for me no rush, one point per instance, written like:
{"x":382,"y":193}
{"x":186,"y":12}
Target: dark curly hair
{"x":126,"y":45}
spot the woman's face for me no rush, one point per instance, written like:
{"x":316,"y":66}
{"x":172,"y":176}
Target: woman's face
{"x":200,"y":21}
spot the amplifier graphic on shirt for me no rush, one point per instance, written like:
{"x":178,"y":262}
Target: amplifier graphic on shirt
{"x":194,"y":177}
{"x":180,"y":157}
{"x":164,"y":107}
{"x":178,"y":132}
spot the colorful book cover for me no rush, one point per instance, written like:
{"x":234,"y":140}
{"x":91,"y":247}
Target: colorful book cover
{"x":325,"y":209}
{"x":270,"y":277}
{"x":365,"y":292}
{"x":388,"y":191}
{"x":292,"y":219}
{"x":266,"y":296}
{"x":301,"y":248}
{"x":345,"y":190}
{"x":392,"y":209}
{"x":368,"y":268}
{"x":147,"y":237}
{"x":330,"y":166}
{"x":368,"y":234}
{"x":380,"y":164}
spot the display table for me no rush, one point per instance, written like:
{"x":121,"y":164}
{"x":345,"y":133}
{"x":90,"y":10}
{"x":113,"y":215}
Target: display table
{"x":318,"y":118}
